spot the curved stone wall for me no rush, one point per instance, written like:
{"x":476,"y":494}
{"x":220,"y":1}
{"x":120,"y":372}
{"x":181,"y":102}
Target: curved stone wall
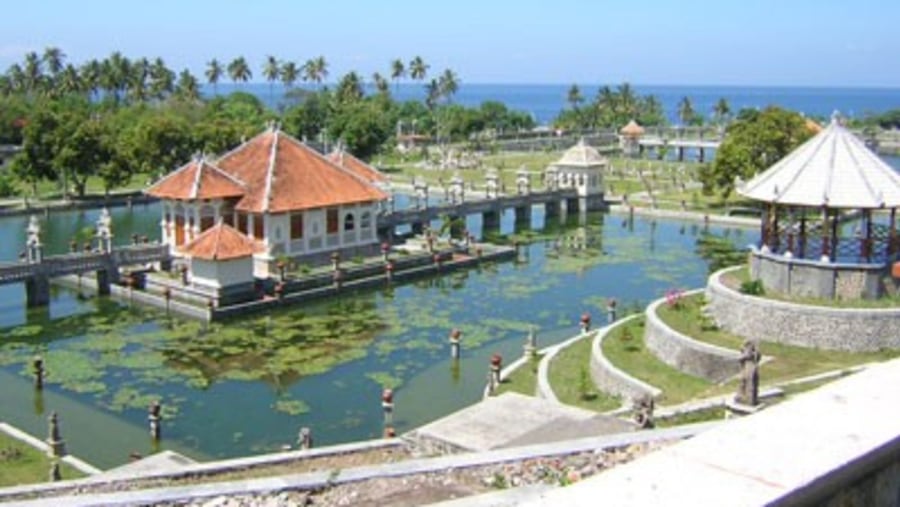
{"x":759,"y":318}
{"x":686,"y":354}
{"x":610,"y":379}
{"x":830,"y":280}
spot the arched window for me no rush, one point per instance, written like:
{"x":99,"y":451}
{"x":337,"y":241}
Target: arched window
{"x":365,"y":220}
{"x":348,"y":222}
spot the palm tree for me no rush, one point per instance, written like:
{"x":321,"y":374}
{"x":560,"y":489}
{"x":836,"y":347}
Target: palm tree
{"x":721,"y":110}
{"x":289,"y":74}
{"x":432,"y":93}
{"x":321,"y":69}
{"x":381,"y":84}
{"x":114,"y":77}
{"x":418,"y":69}
{"x":214,"y":73}
{"x":686,"y":111}
{"x":16,"y":77}
{"x":271,"y":71}
{"x":573,"y":96}
{"x":238,"y":70}
{"x":349,"y":89}
{"x":187,"y":87}
{"x":137,"y":83}
{"x":398,"y":71}
{"x":162,"y":79}
{"x":32,"y":72}
{"x":90,"y":77}
{"x":448,"y":84}
{"x":627,"y":102}
{"x":69,"y":81}
{"x":53,"y":58}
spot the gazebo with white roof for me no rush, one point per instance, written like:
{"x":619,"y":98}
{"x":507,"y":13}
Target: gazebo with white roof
{"x":812,"y":191}
{"x":581,"y":167}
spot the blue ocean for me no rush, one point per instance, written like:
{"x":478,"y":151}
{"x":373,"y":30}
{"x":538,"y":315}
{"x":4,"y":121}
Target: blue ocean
{"x":544,"y":101}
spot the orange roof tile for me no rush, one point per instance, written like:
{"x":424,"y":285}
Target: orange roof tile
{"x":198,"y":179}
{"x":221,"y":242}
{"x":357,"y":166}
{"x":813,"y":126}
{"x":632,"y":129}
{"x":283,"y":174}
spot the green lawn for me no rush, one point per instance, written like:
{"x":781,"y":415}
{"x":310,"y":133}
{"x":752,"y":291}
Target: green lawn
{"x":569,"y":375}
{"x":625,"y":348}
{"x":22,"y":464}
{"x":788,"y":361}
{"x":523,"y":380}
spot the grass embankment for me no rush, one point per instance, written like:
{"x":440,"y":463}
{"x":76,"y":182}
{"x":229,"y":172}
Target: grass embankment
{"x":734,"y":279}
{"x":22,"y":464}
{"x":625,"y":348}
{"x":522,"y":380}
{"x":569,"y":376}
{"x":788,"y":361}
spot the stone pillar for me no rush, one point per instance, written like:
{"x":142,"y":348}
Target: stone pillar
{"x":585,"y":322}
{"x":387,"y":405}
{"x":54,"y":439}
{"x":748,"y":392}
{"x":490,"y":221}
{"x":611,"y":311}
{"x":103,"y":282}
{"x":531,"y":343}
{"x":304,"y":438}
{"x":455,"y":335}
{"x":54,"y":474}
{"x":37,"y":290}
{"x":551,"y":209}
{"x":37,"y":366}
{"x":389,"y":270}
{"x":523,"y":215}
{"x":496,"y":367}
{"x":154,"y":417}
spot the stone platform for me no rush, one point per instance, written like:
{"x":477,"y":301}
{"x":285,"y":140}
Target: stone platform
{"x":511,"y":420}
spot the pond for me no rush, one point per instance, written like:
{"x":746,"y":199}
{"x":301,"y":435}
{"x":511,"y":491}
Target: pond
{"x":246,"y":386}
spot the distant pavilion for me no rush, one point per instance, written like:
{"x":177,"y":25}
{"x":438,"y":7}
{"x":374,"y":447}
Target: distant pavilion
{"x":818,"y":235}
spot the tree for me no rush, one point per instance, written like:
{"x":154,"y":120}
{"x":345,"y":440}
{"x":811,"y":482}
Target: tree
{"x":752,"y":143}
{"x":627,"y":102}
{"x":69,"y":82}
{"x":432,"y":94}
{"x":289,"y":74}
{"x":448,"y":84}
{"x":162,"y":79}
{"x":721,"y":110}
{"x":214,"y":73}
{"x":53,"y":58}
{"x":686,"y":111}
{"x":361,"y":125}
{"x":33,"y":73}
{"x":239,"y":71}
{"x":574,"y":97}
{"x":90,"y":76}
{"x":349,"y":88}
{"x":315,"y":70}
{"x":271,"y":71}
{"x":187,"y":88}
{"x":398,"y":72}
{"x":381,"y":84}
{"x":418,"y":69}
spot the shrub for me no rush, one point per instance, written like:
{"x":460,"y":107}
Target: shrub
{"x":752,"y":288}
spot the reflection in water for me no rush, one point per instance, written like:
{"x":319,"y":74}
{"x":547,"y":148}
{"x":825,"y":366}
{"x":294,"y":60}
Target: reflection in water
{"x":246,"y":385}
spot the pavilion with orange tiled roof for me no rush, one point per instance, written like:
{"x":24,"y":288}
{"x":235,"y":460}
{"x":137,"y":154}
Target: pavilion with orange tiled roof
{"x":346,"y":160}
{"x":222,"y":256}
{"x":278,"y":191}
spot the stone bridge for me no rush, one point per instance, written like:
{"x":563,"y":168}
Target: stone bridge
{"x":36,"y":270}
{"x":490,"y":207}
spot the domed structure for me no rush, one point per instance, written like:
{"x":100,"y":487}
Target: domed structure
{"x":581,"y":167}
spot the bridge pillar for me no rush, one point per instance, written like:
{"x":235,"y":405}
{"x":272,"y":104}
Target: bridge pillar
{"x":551,"y":209}
{"x":37,"y":291}
{"x":701,"y":155}
{"x":457,"y":226}
{"x":103,"y":282}
{"x":490,"y":221}
{"x":573,"y":205}
{"x":681,"y":153}
{"x":523,"y":217}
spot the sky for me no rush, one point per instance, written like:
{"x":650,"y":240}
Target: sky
{"x":681,"y":42}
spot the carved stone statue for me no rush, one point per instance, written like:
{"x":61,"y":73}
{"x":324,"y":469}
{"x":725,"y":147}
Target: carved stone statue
{"x":643,"y":411}
{"x":748,"y":392}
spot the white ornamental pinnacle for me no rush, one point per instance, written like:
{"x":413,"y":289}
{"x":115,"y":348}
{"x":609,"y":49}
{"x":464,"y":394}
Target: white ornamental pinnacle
{"x":33,"y":230}
{"x":104,"y":224}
